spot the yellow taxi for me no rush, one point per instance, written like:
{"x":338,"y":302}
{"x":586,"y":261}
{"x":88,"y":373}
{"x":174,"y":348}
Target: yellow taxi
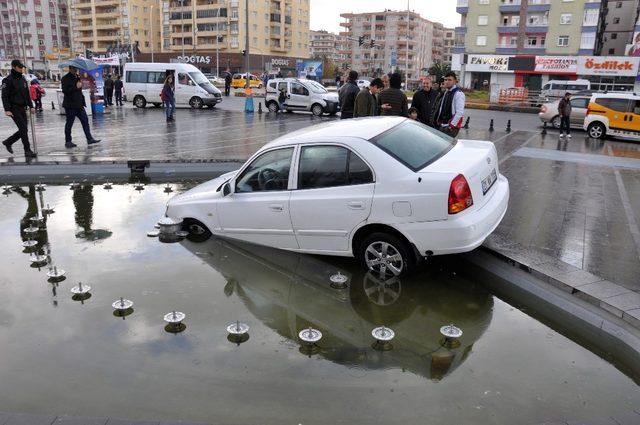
{"x":613,"y":114}
{"x":239,"y":81}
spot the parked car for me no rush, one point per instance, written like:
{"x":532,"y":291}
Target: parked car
{"x":614,"y":114}
{"x":143,"y":84}
{"x":549,"y":112}
{"x":387,"y":190}
{"x":558,"y":88}
{"x":239,"y":81}
{"x":302,"y":95}
{"x":215,"y":80}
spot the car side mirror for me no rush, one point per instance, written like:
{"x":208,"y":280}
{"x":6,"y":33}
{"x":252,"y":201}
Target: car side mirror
{"x":228,"y":188}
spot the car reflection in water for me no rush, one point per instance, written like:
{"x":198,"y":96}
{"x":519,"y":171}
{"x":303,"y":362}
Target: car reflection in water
{"x":289,"y":292}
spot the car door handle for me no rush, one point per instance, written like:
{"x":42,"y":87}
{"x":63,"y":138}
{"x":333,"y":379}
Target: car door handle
{"x":276,"y":207}
{"x":355,"y":205}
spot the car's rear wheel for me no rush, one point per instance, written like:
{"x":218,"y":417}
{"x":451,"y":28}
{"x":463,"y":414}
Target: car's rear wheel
{"x":386,"y":254}
{"x":198,"y":232}
{"x":596,"y":130}
{"x":317,"y":110}
{"x":139,"y":101}
{"x":555,"y":122}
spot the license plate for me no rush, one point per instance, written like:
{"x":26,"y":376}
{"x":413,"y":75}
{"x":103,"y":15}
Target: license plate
{"x":488,"y":181}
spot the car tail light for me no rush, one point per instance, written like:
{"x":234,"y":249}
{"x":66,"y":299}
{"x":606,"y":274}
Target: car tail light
{"x":588,"y":110}
{"x":460,"y":197}
{"x":543,"y":109}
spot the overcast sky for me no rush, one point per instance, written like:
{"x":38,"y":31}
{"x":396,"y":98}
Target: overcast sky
{"x":325,"y":14}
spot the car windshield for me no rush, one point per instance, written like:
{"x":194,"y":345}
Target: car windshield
{"x":203,"y":82}
{"x":414,"y":144}
{"x":316,"y":87}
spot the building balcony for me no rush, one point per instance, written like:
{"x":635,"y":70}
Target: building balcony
{"x":508,"y":29}
{"x":85,"y":28}
{"x":460,"y":30}
{"x":534,"y":50}
{"x":539,"y":6}
{"x":115,"y":3}
{"x":85,"y":39}
{"x":503,"y":50}
{"x":83,"y":5}
{"x":104,"y":26}
{"x":590,"y":28}
{"x":114,"y":14}
{"x":113,"y":37}
{"x":84,"y":17}
{"x":592,"y":5}
{"x":458,"y":49}
{"x":538,"y":29}
{"x":462,"y":10}
{"x":508,"y":7}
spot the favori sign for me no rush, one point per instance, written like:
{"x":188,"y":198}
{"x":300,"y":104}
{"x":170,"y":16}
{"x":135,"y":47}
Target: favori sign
{"x":487,"y":63}
{"x":615,"y":66}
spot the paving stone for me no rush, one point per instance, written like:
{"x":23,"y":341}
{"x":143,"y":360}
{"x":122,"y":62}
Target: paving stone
{"x":76,"y":420}
{"x":594,"y":421}
{"x":602,"y":290}
{"x":578,"y":278}
{"x":628,"y":418}
{"x":183,"y":423}
{"x":633,"y":317}
{"x":625,"y":302}
{"x":28,"y":419}
{"x":113,"y":421}
{"x":4,"y":417}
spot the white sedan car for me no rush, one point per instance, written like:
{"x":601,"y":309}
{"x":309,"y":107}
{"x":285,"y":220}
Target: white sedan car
{"x":389,"y":191}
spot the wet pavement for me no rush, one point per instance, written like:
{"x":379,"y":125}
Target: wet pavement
{"x":78,"y":358}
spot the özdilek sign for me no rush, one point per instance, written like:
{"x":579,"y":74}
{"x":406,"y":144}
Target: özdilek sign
{"x":614,"y":66}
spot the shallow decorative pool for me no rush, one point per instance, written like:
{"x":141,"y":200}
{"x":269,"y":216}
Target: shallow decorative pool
{"x":61,"y":356}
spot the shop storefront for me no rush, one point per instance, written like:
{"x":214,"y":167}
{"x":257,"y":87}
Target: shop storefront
{"x":208,"y":63}
{"x":532,"y":72}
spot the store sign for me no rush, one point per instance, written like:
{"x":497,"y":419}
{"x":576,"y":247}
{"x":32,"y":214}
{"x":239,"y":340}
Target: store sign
{"x":556,"y":64}
{"x":195,"y":59}
{"x":614,"y":66}
{"x":109,"y":61}
{"x":275,"y":62}
{"x":487,"y":63}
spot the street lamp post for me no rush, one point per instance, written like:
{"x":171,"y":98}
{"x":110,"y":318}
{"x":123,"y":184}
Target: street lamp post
{"x":246,"y":59}
{"x":182,"y":24}
{"x":151,"y":32}
{"x":406,"y":73}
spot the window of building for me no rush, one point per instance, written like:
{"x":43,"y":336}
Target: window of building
{"x":481,"y":40}
{"x":614,"y":36}
{"x":591,"y":17}
{"x":619,"y":5}
{"x":532,"y":41}
{"x":563,"y":40}
{"x":483,"y":1}
{"x":616,"y":20}
{"x":588,"y":40}
{"x":483,"y":20}
{"x":565,"y":19}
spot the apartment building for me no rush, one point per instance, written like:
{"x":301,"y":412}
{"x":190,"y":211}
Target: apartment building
{"x":210,"y":34}
{"x":448,"y":45}
{"x":526,"y":43}
{"x":619,"y":19}
{"x":45,"y":30}
{"x":402,"y":40}
{"x":326,"y":44}
{"x":102,"y":26}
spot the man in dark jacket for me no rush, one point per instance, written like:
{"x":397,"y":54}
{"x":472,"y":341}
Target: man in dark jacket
{"x":227,"y":83}
{"x":424,"y":101}
{"x":15,"y":100}
{"x":117,"y":86}
{"x":393,"y":101}
{"x":73,"y":105}
{"x":108,"y":91}
{"x":564,"y":110}
{"x":366,"y":102}
{"x":347,"y":96}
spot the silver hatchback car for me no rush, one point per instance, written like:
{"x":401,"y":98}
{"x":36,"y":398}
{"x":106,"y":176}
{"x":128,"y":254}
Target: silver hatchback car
{"x":549,"y":111}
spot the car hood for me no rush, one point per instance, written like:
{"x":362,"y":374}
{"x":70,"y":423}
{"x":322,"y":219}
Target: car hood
{"x":331,"y":97}
{"x":206,"y":189}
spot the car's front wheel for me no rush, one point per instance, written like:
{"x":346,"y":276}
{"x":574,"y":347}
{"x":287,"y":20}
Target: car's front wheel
{"x":317,"y":110}
{"x":273,"y":107}
{"x":198,"y":232}
{"x":386,"y":254}
{"x":196,"y":102}
{"x":596,"y":130}
{"x":139,"y":101}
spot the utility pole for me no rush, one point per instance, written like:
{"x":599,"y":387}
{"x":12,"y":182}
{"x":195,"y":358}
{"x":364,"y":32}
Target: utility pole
{"x":151,"y":32}
{"x":246,"y":41}
{"x":182,"y":23}
{"x":406,"y":73}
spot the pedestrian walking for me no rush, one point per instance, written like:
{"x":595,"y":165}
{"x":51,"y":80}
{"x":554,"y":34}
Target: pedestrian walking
{"x":168,"y":97}
{"x":227,"y":83}
{"x":564,"y":109}
{"x":347,"y":96}
{"x":424,"y":101}
{"x":450,"y":107}
{"x":118,"y":87}
{"x":393,"y":101}
{"x":36,"y":92}
{"x":74,"y":105}
{"x":338,"y":80}
{"x":15,"y":100}
{"x":108,"y":91}
{"x":366,"y":102}
{"x":282,"y":98}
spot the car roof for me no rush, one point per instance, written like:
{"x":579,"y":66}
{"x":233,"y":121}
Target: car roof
{"x":363,"y":128}
{"x":616,"y":95}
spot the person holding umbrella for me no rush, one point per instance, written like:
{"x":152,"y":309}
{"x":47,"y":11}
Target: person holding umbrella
{"x":74,"y":102}
{"x":15,"y":100}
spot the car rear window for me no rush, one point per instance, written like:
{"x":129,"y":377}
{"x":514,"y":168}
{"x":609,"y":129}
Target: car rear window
{"x":414,"y":144}
{"x":617,"y":104}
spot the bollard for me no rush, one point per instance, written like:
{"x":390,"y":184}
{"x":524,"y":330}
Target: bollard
{"x":544,"y":128}
{"x":260,"y":107}
{"x":466,"y":124}
{"x":53,"y":106}
{"x":509,"y":126}
{"x":491,"y":125}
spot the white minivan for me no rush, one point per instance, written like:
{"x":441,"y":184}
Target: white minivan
{"x":143,"y":83}
{"x":558,"y":88}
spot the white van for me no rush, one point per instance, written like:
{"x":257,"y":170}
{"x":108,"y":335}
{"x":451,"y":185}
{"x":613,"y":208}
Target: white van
{"x":302,"y":95}
{"x":143,"y":83}
{"x":558,"y":88}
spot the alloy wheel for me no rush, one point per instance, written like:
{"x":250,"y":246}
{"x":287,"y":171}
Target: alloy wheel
{"x":384,"y":258}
